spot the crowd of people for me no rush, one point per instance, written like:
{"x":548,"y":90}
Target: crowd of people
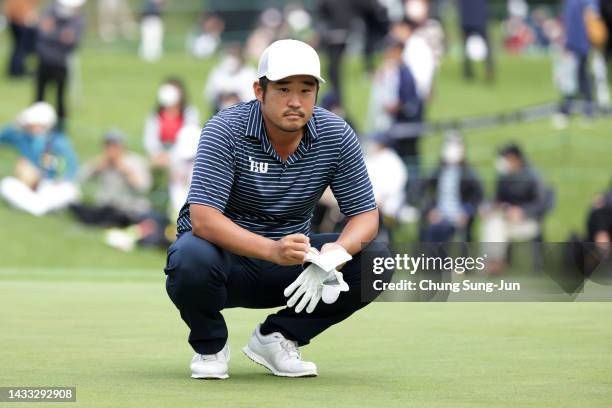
{"x":137,"y":197}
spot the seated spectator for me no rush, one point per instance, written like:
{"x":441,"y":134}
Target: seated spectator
{"x":153,"y":229}
{"x":520,"y":203}
{"x":181,"y":167}
{"x":382,"y":161}
{"x":45,"y":174}
{"x":599,"y":223}
{"x":453,"y":193}
{"x":205,"y":41}
{"x":162,"y":126}
{"x":122,"y":179}
{"x":230,"y":77}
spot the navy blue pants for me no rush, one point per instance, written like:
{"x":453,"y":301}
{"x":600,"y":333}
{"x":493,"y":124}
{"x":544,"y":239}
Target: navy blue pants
{"x":204,"y":279}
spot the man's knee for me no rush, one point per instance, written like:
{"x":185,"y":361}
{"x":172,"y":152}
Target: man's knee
{"x":377,"y":249}
{"x":364,"y":263}
{"x":195,"y":267}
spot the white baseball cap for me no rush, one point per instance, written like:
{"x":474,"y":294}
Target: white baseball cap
{"x":285,"y":58}
{"x":71,"y":3}
{"x":40,"y":113}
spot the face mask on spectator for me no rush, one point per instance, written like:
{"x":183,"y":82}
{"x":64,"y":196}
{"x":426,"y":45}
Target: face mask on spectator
{"x":416,"y":10}
{"x":168,"y":95}
{"x":65,"y":11}
{"x":502,"y":166}
{"x":452,"y":153}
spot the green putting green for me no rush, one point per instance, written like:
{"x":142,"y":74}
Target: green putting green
{"x":122,"y":344}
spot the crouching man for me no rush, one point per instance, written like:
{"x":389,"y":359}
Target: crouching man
{"x":244,"y":233}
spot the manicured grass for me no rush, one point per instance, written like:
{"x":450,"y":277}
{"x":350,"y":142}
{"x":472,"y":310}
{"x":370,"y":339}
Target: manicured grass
{"x":121,"y":343}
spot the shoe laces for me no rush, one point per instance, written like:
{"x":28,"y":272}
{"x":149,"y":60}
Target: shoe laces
{"x":209,"y":357}
{"x":291,"y":348}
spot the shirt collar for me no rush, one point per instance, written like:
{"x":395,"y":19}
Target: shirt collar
{"x":255,"y":125}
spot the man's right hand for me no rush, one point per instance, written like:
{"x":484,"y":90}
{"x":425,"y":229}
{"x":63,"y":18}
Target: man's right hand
{"x":290,"y":250}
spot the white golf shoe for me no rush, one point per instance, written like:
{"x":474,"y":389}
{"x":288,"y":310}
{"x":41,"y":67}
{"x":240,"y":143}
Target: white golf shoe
{"x":211,"y":366}
{"x":279,"y":355}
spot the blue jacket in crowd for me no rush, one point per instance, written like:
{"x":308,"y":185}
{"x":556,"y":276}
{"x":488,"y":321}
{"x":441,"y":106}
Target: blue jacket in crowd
{"x":576,"y":38}
{"x":51,"y":153}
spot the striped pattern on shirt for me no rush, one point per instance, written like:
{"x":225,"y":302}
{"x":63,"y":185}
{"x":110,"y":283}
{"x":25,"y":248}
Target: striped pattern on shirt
{"x":238,"y":172}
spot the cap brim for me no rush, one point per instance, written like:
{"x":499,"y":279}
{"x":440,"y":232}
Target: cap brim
{"x":282,"y":76}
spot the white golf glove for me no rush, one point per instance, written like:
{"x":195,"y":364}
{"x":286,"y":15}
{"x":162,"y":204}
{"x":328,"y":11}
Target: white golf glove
{"x":319,"y":280}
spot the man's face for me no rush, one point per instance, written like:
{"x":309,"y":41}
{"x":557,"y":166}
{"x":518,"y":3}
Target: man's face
{"x":401,"y":31}
{"x":288,"y":103}
{"x":113,"y":151}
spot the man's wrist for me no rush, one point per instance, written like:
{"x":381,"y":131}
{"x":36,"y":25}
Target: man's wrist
{"x":268,"y":251}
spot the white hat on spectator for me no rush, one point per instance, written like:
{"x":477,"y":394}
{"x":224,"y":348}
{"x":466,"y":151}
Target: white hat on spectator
{"x":285,"y":58}
{"x":40,"y":113}
{"x":71,"y":3}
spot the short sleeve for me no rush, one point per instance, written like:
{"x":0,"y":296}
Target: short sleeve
{"x":214,"y":167}
{"x":351,"y":184}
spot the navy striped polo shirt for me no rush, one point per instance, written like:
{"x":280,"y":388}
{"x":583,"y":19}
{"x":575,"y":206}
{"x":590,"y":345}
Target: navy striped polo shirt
{"x":238,"y":172}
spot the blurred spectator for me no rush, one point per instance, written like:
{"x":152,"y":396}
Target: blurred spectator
{"x":121,"y":178}
{"x":519,"y":34}
{"x":336,"y":17}
{"x":605,"y":7}
{"x":22,"y":17}
{"x":115,"y":17}
{"x":381,"y":162}
{"x":599,"y":223}
{"x":182,"y":158}
{"x":297,"y":24}
{"x":336,"y":20}
{"x":474,"y":15}
{"x":417,"y":55}
{"x":578,"y":44}
{"x":162,"y":127}
{"x":265,"y":33}
{"x":151,"y":31}
{"x":59,"y":33}
{"x":430,"y":31}
{"x":521,"y":201}
{"x":230,"y":77}
{"x":331,"y":102}
{"x":453,"y":193}
{"x":376,"y":22}
{"x":404,"y":106}
{"x":207,"y":38}
{"x":46,"y":169}
{"x":153,"y":228}
{"x":544,"y":26}
{"x":600,"y":76}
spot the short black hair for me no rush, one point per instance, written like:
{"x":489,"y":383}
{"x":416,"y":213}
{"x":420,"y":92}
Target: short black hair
{"x":409,"y":22}
{"x":512,"y":149}
{"x":263,"y":82}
